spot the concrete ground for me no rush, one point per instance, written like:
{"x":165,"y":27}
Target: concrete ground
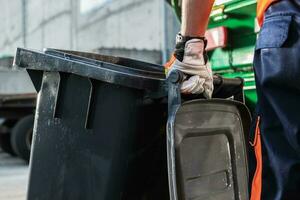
{"x":13,"y":177}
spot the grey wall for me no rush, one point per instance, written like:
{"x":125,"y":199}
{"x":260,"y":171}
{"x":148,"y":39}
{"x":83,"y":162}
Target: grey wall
{"x":13,"y":81}
{"x":119,"y":25}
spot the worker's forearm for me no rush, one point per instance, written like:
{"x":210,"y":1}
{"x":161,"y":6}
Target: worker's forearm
{"x":195,"y":16}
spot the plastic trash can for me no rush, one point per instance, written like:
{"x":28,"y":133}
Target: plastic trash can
{"x":99,"y":127}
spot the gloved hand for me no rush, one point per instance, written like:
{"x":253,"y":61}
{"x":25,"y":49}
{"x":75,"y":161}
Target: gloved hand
{"x":190,"y":58}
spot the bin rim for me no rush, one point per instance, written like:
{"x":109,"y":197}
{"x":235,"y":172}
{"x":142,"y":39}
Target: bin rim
{"x":89,"y":57}
{"x":55,"y":60}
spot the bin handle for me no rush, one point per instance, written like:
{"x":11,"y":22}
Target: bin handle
{"x":174,"y":102}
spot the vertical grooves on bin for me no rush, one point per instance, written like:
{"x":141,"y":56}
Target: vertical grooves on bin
{"x":92,"y":105}
{"x":60,"y":91}
{"x":87,"y":121}
{"x":56,"y":96}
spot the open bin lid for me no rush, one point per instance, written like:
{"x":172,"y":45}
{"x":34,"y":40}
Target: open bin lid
{"x":116,"y":70}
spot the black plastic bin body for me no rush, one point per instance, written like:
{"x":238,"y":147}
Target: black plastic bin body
{"x":98,"y":132}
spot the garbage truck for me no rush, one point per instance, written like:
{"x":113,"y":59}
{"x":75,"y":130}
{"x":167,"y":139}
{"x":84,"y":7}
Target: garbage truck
{"x":17,"y":105}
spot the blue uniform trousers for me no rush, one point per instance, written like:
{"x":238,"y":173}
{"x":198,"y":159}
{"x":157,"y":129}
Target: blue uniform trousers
{"x":277,"y":71}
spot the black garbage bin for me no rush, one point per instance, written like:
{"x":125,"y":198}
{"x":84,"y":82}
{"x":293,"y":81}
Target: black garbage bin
{"x":99,"y":127}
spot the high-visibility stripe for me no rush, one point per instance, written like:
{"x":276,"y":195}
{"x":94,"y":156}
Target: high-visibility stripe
{"x":262,"y":6}
{"x":257,"y":179}
{"x":169,"y":64}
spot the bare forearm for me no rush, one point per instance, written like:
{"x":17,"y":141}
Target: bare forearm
{"x":195,"y":16}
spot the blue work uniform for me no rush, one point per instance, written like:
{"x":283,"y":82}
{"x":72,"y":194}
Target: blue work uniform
{"x":277,"y":71}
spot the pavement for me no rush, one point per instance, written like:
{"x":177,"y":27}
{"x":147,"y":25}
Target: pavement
{"x":13,"y":177}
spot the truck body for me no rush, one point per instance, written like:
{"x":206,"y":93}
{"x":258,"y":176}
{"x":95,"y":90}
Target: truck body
{"x":17,"y":105}
{"x":232,"y":33}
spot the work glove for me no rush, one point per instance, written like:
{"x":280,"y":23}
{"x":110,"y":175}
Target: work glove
{"x":191,"y":59}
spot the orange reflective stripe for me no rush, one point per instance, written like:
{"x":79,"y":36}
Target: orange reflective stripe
{"x":262,"y":6}
{"x":169,"y":64}
{"x":257,"y":179}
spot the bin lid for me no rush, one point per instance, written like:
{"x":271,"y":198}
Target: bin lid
{"x":111,"y":69}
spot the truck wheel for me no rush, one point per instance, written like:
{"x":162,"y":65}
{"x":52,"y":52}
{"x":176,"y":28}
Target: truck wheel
{"x":21,"y":136}
{"x":5,"y":144}
{"x":5,"y":130}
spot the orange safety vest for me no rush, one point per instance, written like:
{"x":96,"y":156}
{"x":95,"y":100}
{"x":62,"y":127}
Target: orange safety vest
{"x":262,"y":6}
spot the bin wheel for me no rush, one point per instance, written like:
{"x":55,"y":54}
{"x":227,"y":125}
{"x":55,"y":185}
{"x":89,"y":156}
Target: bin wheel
{"x":21,"y":136}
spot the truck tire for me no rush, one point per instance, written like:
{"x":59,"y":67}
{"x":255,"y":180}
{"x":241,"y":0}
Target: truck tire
{"x":5,"y":144}
{"x":21,"y":136}
{"x":5,"y":130}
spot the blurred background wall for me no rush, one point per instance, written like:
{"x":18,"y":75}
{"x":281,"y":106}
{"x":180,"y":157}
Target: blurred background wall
{"x":142,"y":29}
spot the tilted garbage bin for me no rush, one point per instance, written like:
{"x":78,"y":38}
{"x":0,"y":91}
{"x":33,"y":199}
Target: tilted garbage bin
{"x":99,"y":125}
{"x":207,"y":142}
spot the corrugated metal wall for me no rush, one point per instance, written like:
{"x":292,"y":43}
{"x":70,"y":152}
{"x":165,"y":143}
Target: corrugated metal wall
{"x":132,"y":25}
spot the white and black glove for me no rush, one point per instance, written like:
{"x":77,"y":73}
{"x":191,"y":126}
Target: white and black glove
{"x":191,"y":59}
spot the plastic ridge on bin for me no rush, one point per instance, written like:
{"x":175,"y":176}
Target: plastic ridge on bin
{"x":58,"y":60}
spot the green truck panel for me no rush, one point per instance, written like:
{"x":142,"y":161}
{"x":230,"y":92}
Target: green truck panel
{"x":236,"y":59}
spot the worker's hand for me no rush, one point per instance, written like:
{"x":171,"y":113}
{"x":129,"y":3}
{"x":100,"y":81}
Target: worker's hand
{"x":191,"y":59}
